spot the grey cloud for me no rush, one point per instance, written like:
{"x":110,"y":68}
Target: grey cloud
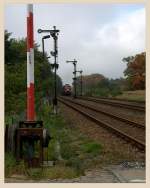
{"x":97,"y":35}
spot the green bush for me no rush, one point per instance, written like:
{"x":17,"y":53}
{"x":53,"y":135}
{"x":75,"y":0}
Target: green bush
{"x":76,"y":164}
{"x":103,"y":92}
{"x":92,"y":148}
{"x":10,"y":164}
{"x":12,"y":167}
{"x":115,"y":91}
{"x":67,"y":151}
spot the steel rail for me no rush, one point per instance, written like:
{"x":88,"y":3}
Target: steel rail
{"x":128,"y":106}
{"x":118,"y":99}
{"x":130,"y":122}
{"x":131,"y":139}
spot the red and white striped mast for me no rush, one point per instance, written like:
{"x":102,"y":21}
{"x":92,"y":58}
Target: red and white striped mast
{"x":30,"y":65}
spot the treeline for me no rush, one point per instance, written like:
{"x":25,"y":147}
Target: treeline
{"x":16,"y":76}
{"x":98,"y":85}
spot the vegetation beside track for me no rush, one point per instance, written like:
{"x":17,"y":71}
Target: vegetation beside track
{"x":134,"y":79}
{"x":16,"y":78}
{"x":68,"y":148}
{"x":138,"y":95}
{"x":71,"y":151}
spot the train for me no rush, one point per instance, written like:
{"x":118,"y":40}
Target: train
{"x":67,"y":90}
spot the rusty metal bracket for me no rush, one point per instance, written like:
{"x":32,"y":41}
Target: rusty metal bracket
{"x":29,"y":132}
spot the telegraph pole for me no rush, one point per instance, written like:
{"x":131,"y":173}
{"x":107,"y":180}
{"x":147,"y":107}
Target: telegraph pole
{"x":74,"y":79}
{"x":54,"y":34}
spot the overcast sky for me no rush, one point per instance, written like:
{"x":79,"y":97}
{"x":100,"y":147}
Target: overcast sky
{"x":97,"y":35}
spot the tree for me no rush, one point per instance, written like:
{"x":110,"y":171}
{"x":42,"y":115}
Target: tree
{"x":135,"y":71}
{"x":16,"y":76}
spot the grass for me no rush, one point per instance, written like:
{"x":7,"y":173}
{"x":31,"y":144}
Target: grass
{"x":56,"y":172}
{"x":92,"y":148}
{"x":138,"y":95}
{"x":71,"y":151}
{"x":60,"y":172}
{"x":12,"y":167}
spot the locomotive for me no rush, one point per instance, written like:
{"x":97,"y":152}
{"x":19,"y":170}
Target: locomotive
{"x":66,"y":90}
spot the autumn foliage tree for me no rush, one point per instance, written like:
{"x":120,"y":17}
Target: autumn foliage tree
{"x":135,"y":71}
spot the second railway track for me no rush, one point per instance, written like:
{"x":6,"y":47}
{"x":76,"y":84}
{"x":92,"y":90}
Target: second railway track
{"x":128,"y":130}
{"x":121,"y":104}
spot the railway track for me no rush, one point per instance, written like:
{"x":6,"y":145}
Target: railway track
{"x":121,"y":104}
{"x":129,"y":132}
{"x":115,"y":116}
{"x":121,"y":100}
